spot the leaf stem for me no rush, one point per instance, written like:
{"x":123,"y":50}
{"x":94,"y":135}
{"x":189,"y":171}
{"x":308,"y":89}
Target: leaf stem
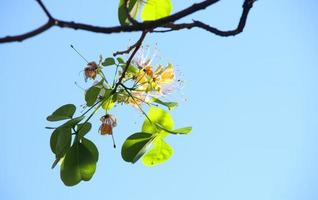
{"x":143,"y":112}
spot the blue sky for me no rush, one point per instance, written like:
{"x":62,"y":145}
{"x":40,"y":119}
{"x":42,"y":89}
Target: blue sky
{"x":251,"y":99}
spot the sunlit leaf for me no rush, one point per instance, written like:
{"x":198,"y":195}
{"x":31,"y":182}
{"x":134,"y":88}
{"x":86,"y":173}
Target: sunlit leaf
{"x":64,"y":112}
{"x":156,"y":9}
{"x":108,"y":104}
{"x":78,"y":164}
{"x":160,"y":117}
{"x":135,"y":146}
{"x":160,"y":153}
{"x":169,"y":105}
{"x":184,"y":130}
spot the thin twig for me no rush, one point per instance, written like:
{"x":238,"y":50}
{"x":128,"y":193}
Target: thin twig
{"x":248,"y":4}
{"x":138,"y":45}
{"x":127,"y":51}
{"x":48,"y":14}
{"x":140,"y":108}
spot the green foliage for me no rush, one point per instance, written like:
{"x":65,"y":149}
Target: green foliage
{"x":135,"y":146}
{"x":60,"y":141}
{"x":64,"y":112}
{"x":156,"y":9}
{"x":157,"y":125}
{"x":61,"y":137}
{"x":78,"y":155}
{"x":132,"y":69}
{"x":72,"y":122}
{"x":120,"y":60}
{"x":169,"y":105}
{"x":160,"y":153}
{"x":160,"y":117}
{"x":108,"y":62}
{"x":152,"y":10}
{"x":109,"y":101}
{"x":83,"y":129}
{"x":184,"y":130}
{"x":79,"y":163}
{"x":91,"y":147}
{"x":133,"y":7}
{"x":91,"y":95}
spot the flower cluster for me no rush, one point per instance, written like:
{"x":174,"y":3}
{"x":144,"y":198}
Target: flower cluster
{"x":139,"y":83}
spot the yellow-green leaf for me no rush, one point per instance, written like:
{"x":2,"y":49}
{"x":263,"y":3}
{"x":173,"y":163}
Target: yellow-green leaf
{"x":160,"y":153}
{"x":160,"y":117}
{"x":156,"y":9}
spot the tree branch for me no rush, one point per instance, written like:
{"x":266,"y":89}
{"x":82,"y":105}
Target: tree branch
{"x":145,"y":26}
{"x":248,"y":4}
{"x":48,"y":14}
{"x":137,"y":46}
{"x":127,"y":51}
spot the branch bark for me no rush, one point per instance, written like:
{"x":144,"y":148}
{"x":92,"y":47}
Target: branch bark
{"x":150,"y":26}
{"x":248,"y":4}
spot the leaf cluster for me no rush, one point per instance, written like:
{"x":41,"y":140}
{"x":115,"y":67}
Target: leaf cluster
{"x":78,"y":155}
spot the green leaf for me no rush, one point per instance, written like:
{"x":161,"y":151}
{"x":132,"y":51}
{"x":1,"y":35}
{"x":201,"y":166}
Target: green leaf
{"x":169,"y":105}
{"x":108,"y":62}
{"x":78,"y":164}
{"x":156,"y":9}
{"x":109,"y":103}
{"x":160,"y":117}
{"x":60,"y":141}
{"x":184,"y":130}
{"x":73,"y":122}
{"x":64,"y":112}
{"x":131,"y":69}
{"x":133,"y":8}
{"x":91,"y":147}
{"x":120,"y":60}
{"x":83,"y":129}
{"x":160,"y":153}
{"x":135,"y":146}
{"x":91,"y":95}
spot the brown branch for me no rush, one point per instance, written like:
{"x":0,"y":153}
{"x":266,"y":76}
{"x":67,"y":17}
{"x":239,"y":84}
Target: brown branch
{"x":137,"y":46}
{"x":127,"y":51}
{"x":20,"y":38}
{"x":248,"y":4}
{"x":145,"y":26}
{"x":48,"y":14}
